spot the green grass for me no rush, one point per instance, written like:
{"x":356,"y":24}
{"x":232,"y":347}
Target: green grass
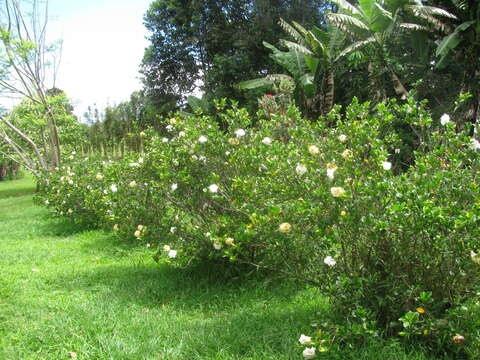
{"x":64,"y":289}
{"x":15,"y":188}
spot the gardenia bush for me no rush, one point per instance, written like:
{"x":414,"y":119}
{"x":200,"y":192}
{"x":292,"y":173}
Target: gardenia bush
{"x":332,"y":206}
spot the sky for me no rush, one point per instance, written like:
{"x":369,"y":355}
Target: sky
{"x":103,"y":45}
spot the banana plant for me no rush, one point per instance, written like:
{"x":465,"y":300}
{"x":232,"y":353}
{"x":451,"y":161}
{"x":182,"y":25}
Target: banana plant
{"x":462,"y":45}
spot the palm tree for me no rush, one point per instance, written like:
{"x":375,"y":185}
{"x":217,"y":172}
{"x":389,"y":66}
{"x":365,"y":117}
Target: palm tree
{"x":310,"y":60}
{"x":374,"y":25}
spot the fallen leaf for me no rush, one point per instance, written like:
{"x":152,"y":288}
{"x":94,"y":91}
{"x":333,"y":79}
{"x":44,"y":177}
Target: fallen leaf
{"x":73,"y":354}
{"x":35,"y":270}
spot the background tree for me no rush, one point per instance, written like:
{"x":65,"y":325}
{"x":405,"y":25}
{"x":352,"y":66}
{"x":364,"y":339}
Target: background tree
{"x":24,"y":56}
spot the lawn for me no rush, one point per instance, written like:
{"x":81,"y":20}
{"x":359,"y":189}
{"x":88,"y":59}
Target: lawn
{"x":64,"y":289}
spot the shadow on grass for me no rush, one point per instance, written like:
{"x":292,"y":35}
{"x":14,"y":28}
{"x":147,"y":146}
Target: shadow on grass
{"x":202,"y":287}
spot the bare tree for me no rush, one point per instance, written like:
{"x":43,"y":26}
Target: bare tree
{"x":24,"y":69}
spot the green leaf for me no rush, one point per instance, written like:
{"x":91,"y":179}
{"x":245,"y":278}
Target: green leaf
{"x":254,"y":84}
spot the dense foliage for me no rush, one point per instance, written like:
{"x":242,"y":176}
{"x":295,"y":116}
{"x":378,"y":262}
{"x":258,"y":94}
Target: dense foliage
{"x":333,"y":206}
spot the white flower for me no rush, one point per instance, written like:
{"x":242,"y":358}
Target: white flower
{"x":70,"y":181}
{"x":397,"y":151}
{"x":173,"y":121}
{"x":240,"y":133}
{"x":172,"y":254}
{"x":331,"y":173}
{"x":387,"y":165}
{"x":115,"y":227}
{"x":313,"y":149}
{"x":71,"y":157}
{"x":445,"y":119}
{"x":342,"y":138}
{"x":132,"y":184}
{"x":164,"y":140}
{"x":475,"y":257}
{"x":148,"y":245}
{"x":202,"y":139}
{"x":140,"y":160}
{"x":267,"y":141}
{"x":169,"y":127}
{"x":217,"y":245}
{"x":330,"y":261}
{"x":174,"y":187}
{"x":305,"y":340}
{"x":337,"y":191}
{"x":309,"y":353}
{"x":229,"y":241}
{"x":213,"y":188}
{"x":134,"y":164}
{"x":284,"y":227}
{"x":166,"y":248}
{"x":202,"y":158}
{"x":227,"y":153}
{"x":173,"y":229}
{"x":301,"y":169}
{"x":70,"y":211}
{"x":474,"y":144}
{"x":46,"y":202}
{"x":137,"y":233}
{"x":105,"y":192}
{"x":182,"y":134}
{"x":113,"y":188}
{"x":99,"y":176}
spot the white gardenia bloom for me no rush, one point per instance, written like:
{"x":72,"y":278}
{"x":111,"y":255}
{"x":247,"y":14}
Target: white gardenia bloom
{"x":113,"y":188}
{"x":172,"y":254}
{"x":137,"y":233}
{"x":169,"y":127}
{"x":445,"y":119}
{"x":217,"y":245}
{"x":213,"y":188}
{"x":99,"y":176}
{"x":387,"y":165}
{"x":331,"y":173}
{"x":166,"y":248}
{"x":173,"y":229}
{"x":309,"y":353}
{"x":301,"y":169}
{"x":267,"y":141}
{"x":164,"y":140}
{"x":202,"y":139}
{"x":305,"y":340}
{"x":240,"y":133}
{"x":70,"y":182}
{"x":313,"y":149}
{"x":182,"y":134}
{"x":132,"y":184}
{"x":46,"y":202}
{"x":174,"y":187}
{"x":229,"y":241}
{"x":134,"y":164}
{"x":342,"y":138}
{"x":474,"y":144}
{"x":475,"y":257}
{"x":330,"y":261}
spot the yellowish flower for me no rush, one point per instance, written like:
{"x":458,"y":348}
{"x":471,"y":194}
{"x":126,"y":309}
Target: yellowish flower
{"x":137,"y":233}
{"x":115,"y":227}
{"x":343,"y":213}
{"x":337,"y":191}
{"x":475,"y":257}
{"x":347,"y":154}
{"x":140,"y":227}
{"x":421,"y":310}
{"x":284,"y":227}
{"x":233,"y":141}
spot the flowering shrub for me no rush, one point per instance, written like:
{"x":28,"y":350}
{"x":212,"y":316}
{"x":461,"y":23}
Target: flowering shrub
{"x":333,"y":206}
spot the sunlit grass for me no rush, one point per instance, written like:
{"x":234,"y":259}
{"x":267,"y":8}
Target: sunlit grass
{"x":63,"y":289}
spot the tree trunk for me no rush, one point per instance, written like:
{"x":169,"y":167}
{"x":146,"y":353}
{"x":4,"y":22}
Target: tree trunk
{"x":329,"y":92}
